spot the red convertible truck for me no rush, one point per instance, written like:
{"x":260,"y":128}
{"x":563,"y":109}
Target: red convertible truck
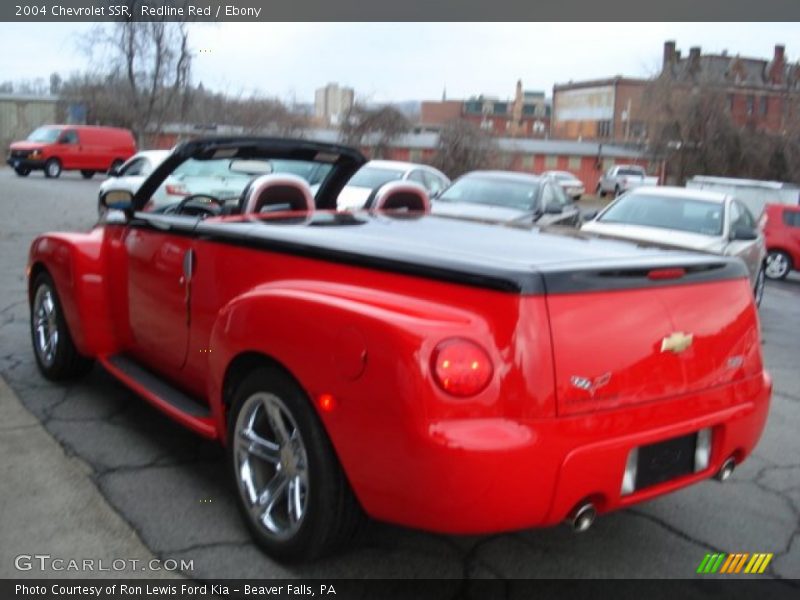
{"x":441,"y":374}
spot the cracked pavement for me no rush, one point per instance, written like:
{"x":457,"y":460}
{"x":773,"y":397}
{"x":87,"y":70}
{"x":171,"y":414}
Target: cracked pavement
{"x":171,"y":487}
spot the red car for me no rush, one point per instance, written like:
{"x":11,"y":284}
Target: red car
{"x":428,"y":371}
{"x":84,"y":148}
{"x":782,"y":233}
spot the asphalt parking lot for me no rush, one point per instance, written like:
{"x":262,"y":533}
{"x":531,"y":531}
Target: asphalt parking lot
{"x":170,"y":486}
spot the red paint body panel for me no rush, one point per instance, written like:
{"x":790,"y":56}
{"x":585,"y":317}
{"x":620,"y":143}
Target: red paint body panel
{"x":521,"y":453}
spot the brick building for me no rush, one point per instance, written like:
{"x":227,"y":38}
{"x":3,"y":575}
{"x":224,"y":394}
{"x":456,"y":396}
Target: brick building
{"x":602,"y":109}
{"x":526,"y":115}
{"x":761,"y":93}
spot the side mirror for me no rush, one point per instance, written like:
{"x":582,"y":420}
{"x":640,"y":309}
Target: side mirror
{"x":120,"y":200}
{"x":553,"y":209}
{"x":114,"y":171}
{"x":744,"y":234}
{"x":589,"y":215}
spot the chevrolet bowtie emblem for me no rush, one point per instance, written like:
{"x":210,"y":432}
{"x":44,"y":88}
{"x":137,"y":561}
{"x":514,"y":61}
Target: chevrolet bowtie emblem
{"x":676,"y":342}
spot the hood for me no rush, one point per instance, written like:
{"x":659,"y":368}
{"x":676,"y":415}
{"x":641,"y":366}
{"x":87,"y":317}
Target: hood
{"x":482,"y":212}
{"x":352,"y":197}
{"x":25,"y":145}
{"x":662,"y":237}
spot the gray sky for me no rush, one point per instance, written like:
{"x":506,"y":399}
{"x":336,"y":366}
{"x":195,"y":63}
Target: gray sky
{"x":404,"y":61}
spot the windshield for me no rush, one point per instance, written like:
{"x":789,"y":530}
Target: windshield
{"x":225,"y":179}
{"x":682,"y":214}
{"x":374,"y":177}
{"x":520,"y":195}
{"x":44,"y":134}
{"x":562,"y":176}
{"x":312,"y":172}
{"x":631,"y":172}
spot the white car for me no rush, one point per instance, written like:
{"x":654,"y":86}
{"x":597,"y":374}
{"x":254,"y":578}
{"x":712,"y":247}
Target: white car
{"x":132,"y":173}
{"x":377,"y":172}
{"x":623,"y":178}
{"x":572,"y":186}
{"x":688,"y":219}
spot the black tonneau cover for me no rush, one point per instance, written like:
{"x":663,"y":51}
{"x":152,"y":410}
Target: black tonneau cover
{"x":524,"y":260}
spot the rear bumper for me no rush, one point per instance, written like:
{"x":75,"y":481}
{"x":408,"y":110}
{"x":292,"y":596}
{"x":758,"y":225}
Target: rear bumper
{"x":25,"y":163}
{"x":489,"y":475}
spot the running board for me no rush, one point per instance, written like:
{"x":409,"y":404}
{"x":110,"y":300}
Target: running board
{"x":161,"y":394}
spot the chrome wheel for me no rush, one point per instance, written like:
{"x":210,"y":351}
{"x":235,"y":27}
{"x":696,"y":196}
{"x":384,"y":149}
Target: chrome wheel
{"x":777,"y":265}
{"x":45,"y":325}
{"x":52,"y":168}
{"x":271,"y":465}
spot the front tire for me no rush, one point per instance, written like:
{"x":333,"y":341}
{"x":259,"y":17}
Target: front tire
{"x":777,"y":264}
{"x":292,"y":491}
{"x":55,"y":352}
{"x":87,"y":174}
{"x":22,"y":171}
{"x":52,"y":168}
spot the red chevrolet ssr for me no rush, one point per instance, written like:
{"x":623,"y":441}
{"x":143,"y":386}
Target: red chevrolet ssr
{"x":443,"y":374}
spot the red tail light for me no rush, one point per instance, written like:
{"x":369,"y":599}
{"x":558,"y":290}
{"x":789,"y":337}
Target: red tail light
{"x":676,"y":273}
{"x":461,"y":367}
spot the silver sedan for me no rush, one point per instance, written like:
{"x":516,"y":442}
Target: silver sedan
{"x":689,"y":219}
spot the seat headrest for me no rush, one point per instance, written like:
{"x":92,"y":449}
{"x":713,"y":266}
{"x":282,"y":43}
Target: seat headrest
{"x":283,"y":191}
{"x":400,"y":195}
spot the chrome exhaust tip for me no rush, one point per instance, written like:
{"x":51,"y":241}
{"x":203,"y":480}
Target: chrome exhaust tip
{"x":726,"y":470}
{"x":583,"y":518}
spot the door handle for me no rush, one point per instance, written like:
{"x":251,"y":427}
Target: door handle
{"x":188,"y":266}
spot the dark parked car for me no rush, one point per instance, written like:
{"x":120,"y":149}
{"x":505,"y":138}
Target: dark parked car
{"x":503,"y":196}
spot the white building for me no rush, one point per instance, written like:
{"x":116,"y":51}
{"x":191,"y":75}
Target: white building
{"x":332,"y":102}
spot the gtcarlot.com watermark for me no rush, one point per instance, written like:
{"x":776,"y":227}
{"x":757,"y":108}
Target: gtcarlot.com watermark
{"x":46,"y":562}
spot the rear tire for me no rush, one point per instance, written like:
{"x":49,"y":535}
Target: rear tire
{"x":22,"y":171}
{"x":292,"y":491}
{"x":55,"y":352}
{"x":777,"y":265}
{"x":52,"y":168}
{"x":87,"y":174}
{"x":600,"y":192}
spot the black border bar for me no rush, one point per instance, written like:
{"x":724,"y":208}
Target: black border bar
{"x":409,"y":10}
{"x":731,"y":588}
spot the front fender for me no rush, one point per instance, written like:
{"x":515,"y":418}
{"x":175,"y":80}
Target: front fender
{"x":76,"y":263}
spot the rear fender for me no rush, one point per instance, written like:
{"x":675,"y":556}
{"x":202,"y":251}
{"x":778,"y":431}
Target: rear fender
{"x":367,"y":348}
{"x":76,"y":264}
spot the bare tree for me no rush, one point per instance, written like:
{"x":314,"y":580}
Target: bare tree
{"x":152,"y":62}
{"x":464,"y":147}
{"x":377,"y":127}
{"x":691,"y":128}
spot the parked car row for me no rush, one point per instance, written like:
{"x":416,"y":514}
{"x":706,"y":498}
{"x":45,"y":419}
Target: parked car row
{"x":668,"y":216}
